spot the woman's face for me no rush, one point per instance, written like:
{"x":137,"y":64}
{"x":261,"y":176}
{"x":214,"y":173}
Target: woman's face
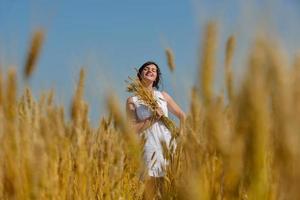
{"x":149,"y":73}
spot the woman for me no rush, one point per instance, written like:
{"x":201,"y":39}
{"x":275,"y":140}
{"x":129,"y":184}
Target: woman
{"x":144,"y":122}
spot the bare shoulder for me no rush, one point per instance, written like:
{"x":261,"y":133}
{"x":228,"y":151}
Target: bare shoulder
{"x":130,"y":107}
{"x":129,"y":100}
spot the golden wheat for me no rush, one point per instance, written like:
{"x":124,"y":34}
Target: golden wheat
{"x":170,"y":59}
{"x":230,"y":46}
{"x":206,"y":74}
{"x":34,"y":52}
{"x":247,"y":149}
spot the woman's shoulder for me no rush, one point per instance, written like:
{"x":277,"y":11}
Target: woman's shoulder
{"x":130,"y":99}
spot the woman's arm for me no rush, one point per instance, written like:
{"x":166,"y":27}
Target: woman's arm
{"x":138,"y":125}
{"x":174,"y":108}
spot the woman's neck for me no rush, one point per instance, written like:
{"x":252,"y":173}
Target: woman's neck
{"x":148,"y":85}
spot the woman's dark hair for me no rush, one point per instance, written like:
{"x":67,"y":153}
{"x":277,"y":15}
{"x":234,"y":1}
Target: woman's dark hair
{"x":158,"y":78}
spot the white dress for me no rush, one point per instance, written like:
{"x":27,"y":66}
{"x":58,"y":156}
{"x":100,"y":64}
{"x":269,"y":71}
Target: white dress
{"x":154,"y":136}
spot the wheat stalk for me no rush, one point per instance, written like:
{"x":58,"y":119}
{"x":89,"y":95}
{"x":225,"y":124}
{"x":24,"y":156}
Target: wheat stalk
{"x":170,"y":59}
{"x":230,"y":46}
{"x":136,"y":87}
{"x":1,"y":88}
{"x":209,"y":48}
{"x":34,"y":52}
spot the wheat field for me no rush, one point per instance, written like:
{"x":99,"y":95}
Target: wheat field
{"x":243,"y":148}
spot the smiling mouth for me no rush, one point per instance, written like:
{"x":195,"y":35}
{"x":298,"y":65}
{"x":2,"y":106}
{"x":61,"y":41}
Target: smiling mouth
{"x":149,"y":74}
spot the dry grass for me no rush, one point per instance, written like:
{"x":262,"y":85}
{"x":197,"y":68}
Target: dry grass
{"x":34,"y":52}
{"x":207,"y":62}
{"x":170,"y":59}
{"x":230,"y":46}
{"x":247,"y":149}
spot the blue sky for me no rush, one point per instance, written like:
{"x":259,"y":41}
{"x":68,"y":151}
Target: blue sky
{"x":110,"y":38}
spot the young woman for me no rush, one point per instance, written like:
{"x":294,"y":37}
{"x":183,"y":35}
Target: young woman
{"x":153,"y":130}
